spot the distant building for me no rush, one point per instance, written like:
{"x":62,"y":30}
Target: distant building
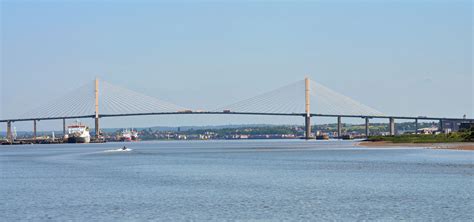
{"x":182,"y":137}
{"x":466,"y":126}
{"x":452,"y":125}
{"x":427,"y":130}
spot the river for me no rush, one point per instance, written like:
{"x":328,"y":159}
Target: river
{"x":270,"y":180}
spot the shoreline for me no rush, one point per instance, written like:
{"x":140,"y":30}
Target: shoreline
{"x":448,"y":146}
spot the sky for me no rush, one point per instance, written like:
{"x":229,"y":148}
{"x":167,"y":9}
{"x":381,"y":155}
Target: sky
{"x":400,"y":57}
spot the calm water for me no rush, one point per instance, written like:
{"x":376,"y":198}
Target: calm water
{"x":234,"y":180}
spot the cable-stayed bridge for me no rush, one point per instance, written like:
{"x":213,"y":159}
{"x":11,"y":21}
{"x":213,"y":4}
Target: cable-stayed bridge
{"x":305,"y":98}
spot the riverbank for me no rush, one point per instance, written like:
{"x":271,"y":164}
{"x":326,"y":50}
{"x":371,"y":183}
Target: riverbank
{"x":388,"y":144}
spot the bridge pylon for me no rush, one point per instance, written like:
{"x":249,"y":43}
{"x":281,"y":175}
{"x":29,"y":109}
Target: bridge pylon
{"x":96,"y":108}
{"x":307,"y":108}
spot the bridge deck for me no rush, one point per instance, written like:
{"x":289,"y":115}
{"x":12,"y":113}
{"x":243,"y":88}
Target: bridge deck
{"x":239,"y":113}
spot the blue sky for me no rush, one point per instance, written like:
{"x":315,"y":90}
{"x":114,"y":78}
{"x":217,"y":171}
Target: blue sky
{"x":400,"y":57}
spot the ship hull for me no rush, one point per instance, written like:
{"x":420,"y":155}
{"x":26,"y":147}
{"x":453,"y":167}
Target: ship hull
{"x":78,"y":140}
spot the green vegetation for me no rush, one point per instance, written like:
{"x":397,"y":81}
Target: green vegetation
{"x":465,"y":136}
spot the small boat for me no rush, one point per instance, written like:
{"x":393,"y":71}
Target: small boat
{"x":322,"y":137}
{"x":124,"y":149}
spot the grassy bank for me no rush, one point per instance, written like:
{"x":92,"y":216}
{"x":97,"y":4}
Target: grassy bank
{"x":467,"y":136}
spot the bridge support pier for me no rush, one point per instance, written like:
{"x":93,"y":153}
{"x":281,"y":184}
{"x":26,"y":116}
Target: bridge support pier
{"x":34,"y":129}
{"x":367,"y":133}
{"x":416,"y":126}
{"x":9,"y":132}
{"x":97,"y":127}
{"x":391,"y":126}
{"x":440,"y":128}
{"x":339,"y":127}
{"x":308,"y":127}
{"x":64,"y":128}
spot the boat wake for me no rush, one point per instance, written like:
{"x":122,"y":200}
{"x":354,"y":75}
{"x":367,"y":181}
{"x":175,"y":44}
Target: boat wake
{"x":118,"y":150}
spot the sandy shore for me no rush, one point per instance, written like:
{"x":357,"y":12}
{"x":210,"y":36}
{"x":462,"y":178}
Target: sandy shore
{"x":450,"y":146}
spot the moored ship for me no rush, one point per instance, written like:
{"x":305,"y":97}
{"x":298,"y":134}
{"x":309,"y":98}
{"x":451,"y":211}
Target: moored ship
{"x":134,"y":134}
{"x":78,"y":133}
{"x":126,"y":136}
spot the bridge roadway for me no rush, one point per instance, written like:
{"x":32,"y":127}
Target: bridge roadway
{"x":241,"y":113}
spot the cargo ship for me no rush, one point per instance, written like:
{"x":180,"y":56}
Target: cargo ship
{"x":126,"y":135}
{"x":134,"y":134}
{"x":78,"y":133}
